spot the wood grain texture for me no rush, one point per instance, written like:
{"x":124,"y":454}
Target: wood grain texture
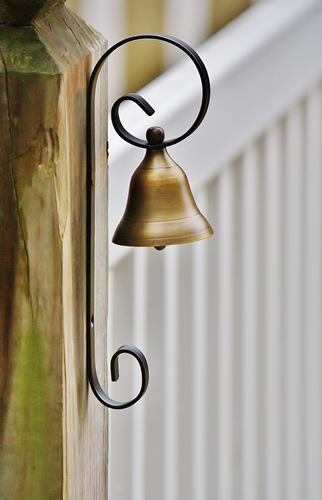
{"x":53,"y":433}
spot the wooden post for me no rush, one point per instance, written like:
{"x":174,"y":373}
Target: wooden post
{"x":53,"y":432}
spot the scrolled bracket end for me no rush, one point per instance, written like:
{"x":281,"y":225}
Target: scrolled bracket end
{"x":96,"y":387}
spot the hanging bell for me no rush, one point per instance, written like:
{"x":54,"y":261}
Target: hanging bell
{"x":160,"y":209}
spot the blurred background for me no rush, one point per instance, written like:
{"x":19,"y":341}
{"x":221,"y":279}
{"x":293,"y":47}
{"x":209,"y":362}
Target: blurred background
{"x":193,"y":21}
{"x":231,"y":326}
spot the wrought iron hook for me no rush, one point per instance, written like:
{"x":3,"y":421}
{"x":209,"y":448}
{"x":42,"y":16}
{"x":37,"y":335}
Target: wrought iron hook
{"x":90,"y":221}
{"x":90,"y":269}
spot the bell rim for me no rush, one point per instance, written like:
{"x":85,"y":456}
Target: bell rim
{"x":163,"y":241}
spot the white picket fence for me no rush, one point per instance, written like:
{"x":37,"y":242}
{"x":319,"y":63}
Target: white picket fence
{"x":231,"y":326}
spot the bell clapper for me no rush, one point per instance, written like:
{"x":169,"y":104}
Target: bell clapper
{"x":160,"y":248}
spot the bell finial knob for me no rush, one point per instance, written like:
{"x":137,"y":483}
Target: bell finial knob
{"x":155,"y":135}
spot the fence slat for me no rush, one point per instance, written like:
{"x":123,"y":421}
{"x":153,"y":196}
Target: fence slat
{"x":120,"y":422}
{"x":313,"y":287}
{"x":213,"y":354}
{"x":200,"y":365}
{"x":140,"y":293}
{"x":273,"y":331}
{"x":191,"y":23}
{"x":250,"y":304}
{"x":171,"y":372}
{"x":225,"y":332}
{"x":293,"y":303}
{"x":155,"y":396}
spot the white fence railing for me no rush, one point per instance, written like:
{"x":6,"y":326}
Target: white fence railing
{"x":231,"y":326}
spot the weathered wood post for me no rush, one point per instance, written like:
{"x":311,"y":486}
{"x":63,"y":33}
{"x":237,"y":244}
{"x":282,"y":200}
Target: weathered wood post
{"x":53,"y":432}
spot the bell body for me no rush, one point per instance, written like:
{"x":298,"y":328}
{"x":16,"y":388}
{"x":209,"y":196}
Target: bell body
{"x":160,"y":209}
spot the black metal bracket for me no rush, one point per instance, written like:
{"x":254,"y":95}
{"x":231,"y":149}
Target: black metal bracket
{"x":90,"y":191}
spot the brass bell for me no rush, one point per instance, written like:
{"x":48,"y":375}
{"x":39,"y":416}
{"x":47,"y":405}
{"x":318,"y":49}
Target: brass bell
{"x":160,"y":209}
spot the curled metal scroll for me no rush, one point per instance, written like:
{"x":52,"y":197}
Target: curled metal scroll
{"x":142,"y":102}
{"x":93,"y":379}
{"x":90,"y":219}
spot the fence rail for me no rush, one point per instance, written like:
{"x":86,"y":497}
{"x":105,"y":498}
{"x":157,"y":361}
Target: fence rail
{"x":231,"y":325}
